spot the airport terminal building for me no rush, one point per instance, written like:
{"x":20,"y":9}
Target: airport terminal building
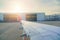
{"x":35,"y":17}
{"x":8,"y":17}
{"x":28,"y":17}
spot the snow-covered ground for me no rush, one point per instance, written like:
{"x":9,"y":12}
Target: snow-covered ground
{"x":38,"y":31}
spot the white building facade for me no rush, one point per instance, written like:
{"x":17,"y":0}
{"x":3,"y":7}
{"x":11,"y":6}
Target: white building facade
{"x":1,"y":17}
{"x":35,"y":17}
{"x":40,"y":16}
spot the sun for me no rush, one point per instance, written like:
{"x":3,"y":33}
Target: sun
{"x":17,"y":8}
{"x":14,"y":7}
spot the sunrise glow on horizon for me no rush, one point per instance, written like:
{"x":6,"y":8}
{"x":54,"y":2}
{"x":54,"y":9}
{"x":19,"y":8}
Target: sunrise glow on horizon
{"x":22,"y":6}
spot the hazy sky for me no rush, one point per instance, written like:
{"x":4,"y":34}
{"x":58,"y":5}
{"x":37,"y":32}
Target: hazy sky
{"x":47,"y":6}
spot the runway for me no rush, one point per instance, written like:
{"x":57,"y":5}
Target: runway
{"x":11,"y":31}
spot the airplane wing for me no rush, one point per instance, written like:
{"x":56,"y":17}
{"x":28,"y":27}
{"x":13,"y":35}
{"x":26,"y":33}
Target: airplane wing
{"x":38,"y":31}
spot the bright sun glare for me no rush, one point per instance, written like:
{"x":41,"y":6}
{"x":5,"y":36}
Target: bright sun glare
{"x":17,"y":8}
